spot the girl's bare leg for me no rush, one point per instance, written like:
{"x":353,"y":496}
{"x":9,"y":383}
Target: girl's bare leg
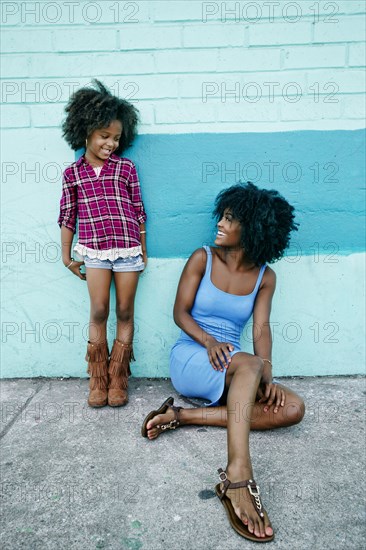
{"x":99,"y":283}
{"x":126,"y":286}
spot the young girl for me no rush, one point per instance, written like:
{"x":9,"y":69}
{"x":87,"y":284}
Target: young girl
{"x":102,"y":191}
{"x":220,"y":288}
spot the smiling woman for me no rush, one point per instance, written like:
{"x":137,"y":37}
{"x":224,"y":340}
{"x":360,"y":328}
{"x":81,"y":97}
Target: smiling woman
{"x":229,"y":230}
{"x":220,"y":288}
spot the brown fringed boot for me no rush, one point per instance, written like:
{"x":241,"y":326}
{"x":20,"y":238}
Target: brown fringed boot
{"x":97,"y":357}
{"x":119,"y":371}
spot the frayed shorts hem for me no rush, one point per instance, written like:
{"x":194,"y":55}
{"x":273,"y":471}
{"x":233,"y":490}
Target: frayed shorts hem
{"x":120,"y":265}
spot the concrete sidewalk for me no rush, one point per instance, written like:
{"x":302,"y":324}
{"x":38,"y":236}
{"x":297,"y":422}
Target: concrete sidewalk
{"x":78,"y":478}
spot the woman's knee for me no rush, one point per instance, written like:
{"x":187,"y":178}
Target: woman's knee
{"x":294,"y":409}
{"x":247,"y":362}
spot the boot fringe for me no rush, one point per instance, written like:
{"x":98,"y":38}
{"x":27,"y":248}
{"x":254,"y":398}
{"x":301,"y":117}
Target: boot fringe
{"x":97,"y":357}
{"x":118,"y":383}
{"x":119,"y":365}
{"x":119,"y":350}
{"x":97,"y":352}
{"x":121,"y":356}
{"x":118,"y":368}
{"x":97,"y":369}
{"x":100,"y":383}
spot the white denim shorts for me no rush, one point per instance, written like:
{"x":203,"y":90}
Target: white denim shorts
{"x":119,"y":265}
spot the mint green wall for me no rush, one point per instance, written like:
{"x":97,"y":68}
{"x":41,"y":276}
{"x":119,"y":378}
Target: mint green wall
{"x":191,"y":73}
{"x":316,"y":320}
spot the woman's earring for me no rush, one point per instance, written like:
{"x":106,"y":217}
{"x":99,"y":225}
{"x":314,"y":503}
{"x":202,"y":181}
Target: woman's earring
{"x":86,"y":143}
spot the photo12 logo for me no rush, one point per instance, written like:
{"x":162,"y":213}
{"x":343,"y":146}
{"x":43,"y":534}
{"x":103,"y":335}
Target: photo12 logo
{"x":47,"y":13}
{"x":252,"y":92}
{"x":269,"y":12}
{"x":41,"y":91}
{"x":269,"y":172}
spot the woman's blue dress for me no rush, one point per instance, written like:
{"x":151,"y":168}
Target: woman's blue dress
{"x":222,"y":315}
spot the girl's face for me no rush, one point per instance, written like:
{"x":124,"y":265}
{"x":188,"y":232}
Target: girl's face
{"x":103,"y":142}
{"x":229,"y":230}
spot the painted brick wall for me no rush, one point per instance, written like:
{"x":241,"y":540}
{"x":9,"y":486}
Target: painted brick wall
{"x":189,"y":66}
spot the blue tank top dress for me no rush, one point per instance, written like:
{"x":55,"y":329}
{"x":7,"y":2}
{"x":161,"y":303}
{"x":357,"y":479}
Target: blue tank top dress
{"x":222,"y":315}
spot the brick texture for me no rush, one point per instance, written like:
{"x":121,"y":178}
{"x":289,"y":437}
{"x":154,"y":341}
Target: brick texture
{"x":189,"y":66}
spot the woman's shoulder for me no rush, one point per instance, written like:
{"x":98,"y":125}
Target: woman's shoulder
{"x":202,"y":254}
{"x":269,"y":277}
{"x":198,"y":259}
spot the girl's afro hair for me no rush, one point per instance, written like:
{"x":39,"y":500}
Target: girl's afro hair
{"x":89,"y":109}
{"x":266,"y":219}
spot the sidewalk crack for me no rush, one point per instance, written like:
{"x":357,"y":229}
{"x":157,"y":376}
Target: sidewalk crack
{"x":22,"y":408}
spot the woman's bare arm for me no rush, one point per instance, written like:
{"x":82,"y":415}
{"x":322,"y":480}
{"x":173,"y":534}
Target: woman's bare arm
{"x":262,"y":336}
{"x":218,"y":352}
{"x":187,"y":289}
{"x":269,"y":394}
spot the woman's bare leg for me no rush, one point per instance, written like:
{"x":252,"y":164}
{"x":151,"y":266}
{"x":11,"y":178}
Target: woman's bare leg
{"x":243,"y":377}
{"x":292,"y":413}
{"x":240,"y":415}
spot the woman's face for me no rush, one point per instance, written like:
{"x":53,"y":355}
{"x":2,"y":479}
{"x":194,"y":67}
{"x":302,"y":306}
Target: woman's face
{"x":228,"y":230}
{"x":104,"y":141}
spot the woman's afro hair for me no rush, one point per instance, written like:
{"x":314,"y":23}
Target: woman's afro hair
{"x":266,"y":219}
{"x":89,"y":109}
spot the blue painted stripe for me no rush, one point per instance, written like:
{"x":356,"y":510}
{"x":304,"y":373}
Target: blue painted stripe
{"x":321,"y":173}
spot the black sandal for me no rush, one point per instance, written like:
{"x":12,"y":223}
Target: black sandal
{"x":234,"y":520}
{"x":172,"y":425}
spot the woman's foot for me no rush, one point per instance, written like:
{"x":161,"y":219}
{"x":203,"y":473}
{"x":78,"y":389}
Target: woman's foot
{"x":243,"y":505}
{"x":154,"y":426}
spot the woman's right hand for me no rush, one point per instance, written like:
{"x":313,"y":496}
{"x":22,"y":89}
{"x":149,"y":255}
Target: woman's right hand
{"x":219,"y":354}
{"x":75,"y":269}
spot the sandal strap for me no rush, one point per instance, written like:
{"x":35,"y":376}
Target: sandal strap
{"x":173,"y":424}
{"x":253,"y":489}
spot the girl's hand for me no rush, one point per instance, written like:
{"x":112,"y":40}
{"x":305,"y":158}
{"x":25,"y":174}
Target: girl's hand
{"x":75,"y":269}
{"x":218,"y":354}
{"x":144,"y":258}
{"x":271,"y":394}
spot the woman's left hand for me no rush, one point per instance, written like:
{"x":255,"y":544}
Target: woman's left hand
{"x":271,"y":394}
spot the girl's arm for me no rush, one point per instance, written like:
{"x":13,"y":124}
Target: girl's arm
{"x":133,"y":187}
{"x":68,"y":204}
{"x":67,"y":222}
{"x":186,"y":294}
{"x":143,"y":243}
{"x":66,"y":242}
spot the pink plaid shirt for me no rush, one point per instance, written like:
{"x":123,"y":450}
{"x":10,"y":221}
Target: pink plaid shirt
{"x":109,"y":208}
